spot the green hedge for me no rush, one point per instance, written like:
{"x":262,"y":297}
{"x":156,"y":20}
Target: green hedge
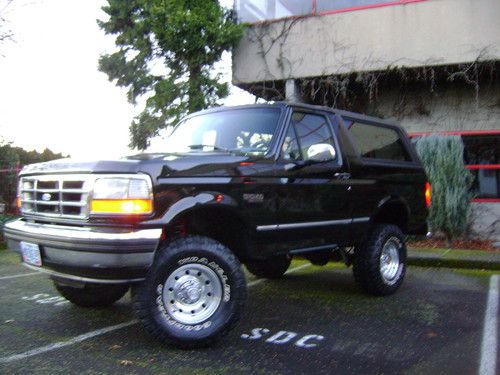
{"x":443,"y":160}
{"x":3,"y":220}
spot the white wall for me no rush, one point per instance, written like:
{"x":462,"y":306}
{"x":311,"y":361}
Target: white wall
{"x":453,"y":108}
{"x":486,"y":221}
{"x":433,"y":32}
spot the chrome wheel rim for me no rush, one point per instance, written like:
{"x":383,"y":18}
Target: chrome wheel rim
{"x":192,"y":293}
{"x":389,"y":260}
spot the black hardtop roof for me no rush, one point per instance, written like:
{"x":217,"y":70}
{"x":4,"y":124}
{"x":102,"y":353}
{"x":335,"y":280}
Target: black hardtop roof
{"x":311,"y":107}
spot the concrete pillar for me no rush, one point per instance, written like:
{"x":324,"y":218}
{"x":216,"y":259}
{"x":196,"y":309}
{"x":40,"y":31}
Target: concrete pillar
{"x":292,"y":91}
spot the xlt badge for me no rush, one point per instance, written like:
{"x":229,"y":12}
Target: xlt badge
{"x":253,"y":198}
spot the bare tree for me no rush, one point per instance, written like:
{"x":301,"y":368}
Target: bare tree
{"x":6,"y":33}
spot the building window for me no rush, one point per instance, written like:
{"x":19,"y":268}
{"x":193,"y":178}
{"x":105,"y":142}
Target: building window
{"x":376,"y":142}
{"x":331,"y":6}
{"x":482,"y":158}
{"x":261,"y":10}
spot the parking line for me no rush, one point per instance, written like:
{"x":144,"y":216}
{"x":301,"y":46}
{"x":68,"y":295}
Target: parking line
{"x":20,"y":275}
{"x":62,"y":344}
{"x":490,"y":340}
{"x":102,"y":331}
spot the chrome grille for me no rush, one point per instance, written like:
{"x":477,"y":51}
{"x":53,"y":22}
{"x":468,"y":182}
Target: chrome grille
{"x":64,"y":196}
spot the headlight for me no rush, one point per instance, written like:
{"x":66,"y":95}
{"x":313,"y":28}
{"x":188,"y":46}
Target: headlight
{"x":122,"y":195}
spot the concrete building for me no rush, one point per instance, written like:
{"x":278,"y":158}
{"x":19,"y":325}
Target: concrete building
{"x":430,"y":65}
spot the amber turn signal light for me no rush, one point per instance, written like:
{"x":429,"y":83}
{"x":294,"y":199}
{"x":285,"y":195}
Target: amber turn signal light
{"x":121,"y":206}
{"x":428,"y":195}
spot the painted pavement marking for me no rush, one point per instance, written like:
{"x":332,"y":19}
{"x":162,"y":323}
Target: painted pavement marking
{"x":490,"y":329}
{"x":102,"y":331}
{"x":62,"y":344}
{"x":20,"y":275}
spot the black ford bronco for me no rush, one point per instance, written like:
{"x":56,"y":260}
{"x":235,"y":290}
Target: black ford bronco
{"x":253,"y":185}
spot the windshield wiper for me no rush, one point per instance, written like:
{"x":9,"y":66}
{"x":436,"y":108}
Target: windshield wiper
{"x":216,"y":148}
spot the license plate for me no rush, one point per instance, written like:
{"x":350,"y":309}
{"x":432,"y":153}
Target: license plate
{"x":31,"y":253}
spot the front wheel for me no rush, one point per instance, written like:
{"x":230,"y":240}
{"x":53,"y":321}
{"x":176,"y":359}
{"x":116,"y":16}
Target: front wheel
{"x":380,"y":262}
{"x":193,"y":294}
{"x":92,"y":295}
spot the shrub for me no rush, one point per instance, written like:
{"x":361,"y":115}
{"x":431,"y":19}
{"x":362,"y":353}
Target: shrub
{"x":443,"y":160}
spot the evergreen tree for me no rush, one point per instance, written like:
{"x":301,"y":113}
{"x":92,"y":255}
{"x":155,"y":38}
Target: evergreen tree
{"x":11,"y":158}
{"x":443,"y":160}
{"x":166,"y":52}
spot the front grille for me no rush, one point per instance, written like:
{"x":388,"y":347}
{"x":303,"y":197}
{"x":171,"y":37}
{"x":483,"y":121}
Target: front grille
{"x":65,"y":196}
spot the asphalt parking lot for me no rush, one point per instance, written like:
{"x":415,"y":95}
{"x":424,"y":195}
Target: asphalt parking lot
{"x":314,"y":321}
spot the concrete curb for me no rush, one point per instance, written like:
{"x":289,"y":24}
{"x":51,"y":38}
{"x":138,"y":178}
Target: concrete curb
{"x":454,"y":259}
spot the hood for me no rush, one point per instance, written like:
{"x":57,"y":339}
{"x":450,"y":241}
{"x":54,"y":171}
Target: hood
{"x":81,"y":166}
{"x":156,"y":165}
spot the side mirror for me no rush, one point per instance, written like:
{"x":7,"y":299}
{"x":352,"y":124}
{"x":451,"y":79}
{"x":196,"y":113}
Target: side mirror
{"x":321,"y":152}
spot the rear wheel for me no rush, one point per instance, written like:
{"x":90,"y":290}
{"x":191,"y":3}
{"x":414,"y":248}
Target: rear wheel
{"x":193,"y":294}
{"x":380,"y":262}
{"x":270,"y":268}
{"x":92,"y":295}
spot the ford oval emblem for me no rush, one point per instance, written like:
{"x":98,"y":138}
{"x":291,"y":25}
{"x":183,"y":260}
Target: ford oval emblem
{"x":46,"y":197}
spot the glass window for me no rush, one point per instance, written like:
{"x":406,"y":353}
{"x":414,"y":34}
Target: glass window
{"x":332,"y":5}
{"x":376,"y":142}
{"x":260,"y":10}
{"x":486,"y":183}
{"x":305,"y":130}
{"x":290,"y":149}
{"x":239,"y":130}
{"x":482,"y":149}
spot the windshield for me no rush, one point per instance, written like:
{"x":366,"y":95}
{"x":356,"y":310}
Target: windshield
{"x":248,"y":130}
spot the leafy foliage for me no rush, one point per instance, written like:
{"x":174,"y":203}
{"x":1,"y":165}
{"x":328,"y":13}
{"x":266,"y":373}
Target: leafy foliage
{"x":166,"y":52}
{"x":443,"y":160}
{"x":11,"y":158}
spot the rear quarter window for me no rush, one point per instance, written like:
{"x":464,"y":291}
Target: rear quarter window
{"x":377,"y":142}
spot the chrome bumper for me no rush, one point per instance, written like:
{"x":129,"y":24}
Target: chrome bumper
{"x":87,"y":254}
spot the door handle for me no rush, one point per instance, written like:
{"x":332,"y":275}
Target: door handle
{"x":342,"y":176}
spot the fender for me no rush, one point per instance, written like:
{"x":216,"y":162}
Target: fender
{"x":191,"y":203}
{"x":391,"y":200}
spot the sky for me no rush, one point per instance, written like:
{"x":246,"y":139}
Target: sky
{"x":51,"y":93}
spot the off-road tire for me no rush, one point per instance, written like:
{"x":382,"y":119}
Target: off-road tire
{"x":92,"y":295}
{"x":271,"y":268}
{"x":368,"y":265}
{"x":159,"y":302}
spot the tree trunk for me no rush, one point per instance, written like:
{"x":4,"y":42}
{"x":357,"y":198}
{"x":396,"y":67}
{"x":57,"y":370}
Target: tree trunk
{"x":195,"y":101}
{"x":448,"y":239}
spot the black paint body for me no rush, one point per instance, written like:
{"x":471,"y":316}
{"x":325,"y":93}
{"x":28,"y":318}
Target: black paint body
{"x":297,"y":200}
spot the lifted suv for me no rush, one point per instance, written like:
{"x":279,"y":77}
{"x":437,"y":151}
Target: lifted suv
{"x":254,"y":185}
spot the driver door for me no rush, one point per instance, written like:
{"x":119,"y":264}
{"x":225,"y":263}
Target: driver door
{"x":312,"y":196}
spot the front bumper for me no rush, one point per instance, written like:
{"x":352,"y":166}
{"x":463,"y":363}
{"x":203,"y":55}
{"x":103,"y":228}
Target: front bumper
{"x":101,"y":255}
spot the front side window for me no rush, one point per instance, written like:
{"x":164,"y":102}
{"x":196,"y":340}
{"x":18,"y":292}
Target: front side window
{"x":305,"y":130}
{"x":249,"y":131}
{"x":377,"y":142}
